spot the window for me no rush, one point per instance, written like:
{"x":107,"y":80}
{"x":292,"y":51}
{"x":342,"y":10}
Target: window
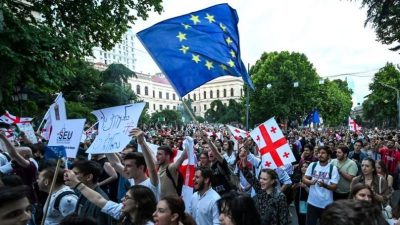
{"x":146,"y":90}
{"x":167,"y":106}
{"x":211,"y":94}
{"x":194,"y":108}
{"x":154,"y":106}
{"x":161,"y":107}
{"x":241,"y":92}
{"x":188,"y":96}
{"x":224,"y":93}
{"x":205,"y":107}
{"x":174,"y":107}
{"x":217,"y":93}
{"x":194,"y":97}
{"x":167,"y":95}
{"x":173,"y":96}
{"x":232,"y":93}
{"x":205,"y":95}
{"x":154,"y":94}
{"x":160,"y":94}
{"x":138,"y":89}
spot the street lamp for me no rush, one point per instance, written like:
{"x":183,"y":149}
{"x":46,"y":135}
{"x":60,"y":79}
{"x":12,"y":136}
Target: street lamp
{"x":397,"y":101}
{"x":19,"y":95}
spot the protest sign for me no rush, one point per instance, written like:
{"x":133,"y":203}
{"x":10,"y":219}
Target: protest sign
{"x":67,"y":133}
{"x":114,"y":126}
{"x":28,"y":130}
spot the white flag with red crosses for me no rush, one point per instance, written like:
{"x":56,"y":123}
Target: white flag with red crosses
{"x":236,"y":132}
{"x":353,"y":126}
{"x":273,"y":146}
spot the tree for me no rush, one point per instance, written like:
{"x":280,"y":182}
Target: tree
{"x":274,"y":75}
{"x":384,"y":16}
{"x":380,"y":107}
{"x":166,"y":116}
{"x":215,"y":112}
{"x":219,"y":113}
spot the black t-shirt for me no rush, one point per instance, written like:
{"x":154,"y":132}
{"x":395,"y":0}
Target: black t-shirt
{"x":219,"y":180}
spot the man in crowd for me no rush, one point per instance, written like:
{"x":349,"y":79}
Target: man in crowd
{"x":347,"y":169}
{"x":63,"y":199}
{"x":203,"y":205}
{"x":15,"y":208}
{"x":322,"y":177}
{"x":357,"y":155}
{"x":88,"y":172}
{"x":391,"y":157}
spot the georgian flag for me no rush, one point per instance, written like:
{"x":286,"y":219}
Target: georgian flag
{"x":273,"y":146}
{"x":353,"y":126}
{"x":11,"y":119}
{"x":236,"y":132}
{"x":55,"y":112}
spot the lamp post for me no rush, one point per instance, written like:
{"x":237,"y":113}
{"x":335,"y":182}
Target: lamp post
{"x":19,"y":95}
{"x":397,"y":102}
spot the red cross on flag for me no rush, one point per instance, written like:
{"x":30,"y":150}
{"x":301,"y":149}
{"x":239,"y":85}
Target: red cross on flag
{"x":273,"y":146}
{"x":236,"y":132}
{"x":353,"y":126}
{"x":11,"y":119}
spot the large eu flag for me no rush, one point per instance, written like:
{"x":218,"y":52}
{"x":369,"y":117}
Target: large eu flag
{"x":197,"y":47}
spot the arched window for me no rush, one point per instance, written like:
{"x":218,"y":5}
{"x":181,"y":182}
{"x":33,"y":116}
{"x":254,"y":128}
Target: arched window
{"x":232,"y":93}
{"x":205,"y":95}
{"x":194,"y":108}
{"x":224,"y":93}
{"x":146,"y":90}
{"x":159,"y":94}
{"x":167,"y":95}
{"x":211,"y":94}
{"x":173,"y":96}
{"x":188,"y":96}
{"x":154,"y":93}
{"x":138,"y":89}
{"x":241,"y":92}
{"x":194,"y":96}
{"x":217,"y":93}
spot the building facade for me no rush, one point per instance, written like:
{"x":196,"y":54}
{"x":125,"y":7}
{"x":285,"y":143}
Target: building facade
{"x":123,"y":53}
{"x":159,"y":94}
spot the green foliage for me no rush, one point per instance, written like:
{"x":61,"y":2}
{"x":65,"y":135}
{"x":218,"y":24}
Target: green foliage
{"x":380,"y":107}
{"x":219,"y":113}
{"x":144,"y":118}
{"x":274,"y":75}
{"x":384,"y":15}
{"x":166,"y":116}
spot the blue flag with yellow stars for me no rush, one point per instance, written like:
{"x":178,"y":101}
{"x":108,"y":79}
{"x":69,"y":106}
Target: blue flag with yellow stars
{"x":197,"y":47}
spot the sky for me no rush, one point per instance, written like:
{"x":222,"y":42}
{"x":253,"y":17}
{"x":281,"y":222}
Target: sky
{"x":331,"y":33}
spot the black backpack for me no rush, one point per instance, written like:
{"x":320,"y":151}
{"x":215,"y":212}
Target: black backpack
{"x":178,"y":187}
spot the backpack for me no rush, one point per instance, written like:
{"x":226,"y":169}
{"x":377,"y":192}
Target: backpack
{"x":178,"y":187}
{"x":59,"y":197}
{"x":330,"y":169}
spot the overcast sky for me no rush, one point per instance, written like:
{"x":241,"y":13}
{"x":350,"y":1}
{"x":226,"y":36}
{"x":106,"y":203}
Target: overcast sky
{"x":330,"y":33}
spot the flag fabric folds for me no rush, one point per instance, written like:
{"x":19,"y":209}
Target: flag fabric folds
{"x":353,"y":126}
{"x":11,"y":119}
{"x":237,"y":133}
{"x":55,"y":112}
{"x":312,"y":117}
{"x":195,"y":48}
{"x":273,"y":146}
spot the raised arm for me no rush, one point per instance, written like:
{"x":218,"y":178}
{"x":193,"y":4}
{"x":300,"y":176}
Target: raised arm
{"x":116,"y":164}
{"x":148,"y":156}
{"x":93,"y":196}
{"x":13,"y":152}
{"x":112,"y":174}
{"x":213,"y":148}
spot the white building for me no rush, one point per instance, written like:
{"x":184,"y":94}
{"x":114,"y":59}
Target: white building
{"x":158,"y":92}
{"x":123,"y":53}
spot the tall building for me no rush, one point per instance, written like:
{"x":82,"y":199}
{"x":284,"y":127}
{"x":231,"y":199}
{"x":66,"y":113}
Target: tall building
{"x":123,"y":53}
{"x":158,"y":92}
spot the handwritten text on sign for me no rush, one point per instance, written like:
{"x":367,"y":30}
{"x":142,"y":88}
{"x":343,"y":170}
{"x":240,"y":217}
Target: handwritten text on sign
{"x":114,"y":126}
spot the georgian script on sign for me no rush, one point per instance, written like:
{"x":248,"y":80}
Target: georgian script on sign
{"x":114,"y":126}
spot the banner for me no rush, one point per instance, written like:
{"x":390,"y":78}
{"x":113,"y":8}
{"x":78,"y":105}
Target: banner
{"x":67,"y":133}
{"x":28,"y":130}
{"x":114,"y":126}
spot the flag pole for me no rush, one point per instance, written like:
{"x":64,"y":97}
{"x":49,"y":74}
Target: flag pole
{"x":247,"y":100}
{"x":92,"y":126}
{"x":41,"y":123}
{"x":53,"y":182}
{"x":187,"y":109}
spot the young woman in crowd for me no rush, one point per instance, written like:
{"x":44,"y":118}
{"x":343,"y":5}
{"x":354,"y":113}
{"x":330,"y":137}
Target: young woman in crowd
{"x":362,"y":192}
{"x":237,"y":208}
{"x":382,"y":171}
{"x":137,"y":205}
{"x":370,"y":177}
{"x":171,"y":211}
{"x":270,"y":201}
{"x":301,"y":195}
{"x":241,"y":161}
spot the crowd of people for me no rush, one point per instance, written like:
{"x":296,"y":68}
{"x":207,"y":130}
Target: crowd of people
{"x":339,"y":177}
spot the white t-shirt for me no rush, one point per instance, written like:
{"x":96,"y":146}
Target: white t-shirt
{"x":319,"y":196}
{"x":66,"y":206}
{"x":147,"y":183}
